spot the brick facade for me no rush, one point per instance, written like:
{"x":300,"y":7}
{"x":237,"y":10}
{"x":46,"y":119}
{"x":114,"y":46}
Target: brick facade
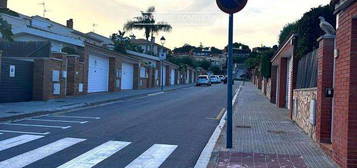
{"x":282,"y":70}
{"x":324,"y":81}
{"x":280,"y":73}
{"x":344,"y":140}
{"x":114,"y":78}
{"x":75,"y":76}
{"x":0,"y":62}
{"x":44,"y":83}
{"x":274,"y":71}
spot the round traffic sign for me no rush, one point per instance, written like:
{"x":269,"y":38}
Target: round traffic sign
{"x":231,"y":6}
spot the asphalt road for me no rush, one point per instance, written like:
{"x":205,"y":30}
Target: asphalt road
{"x":167,"y":130}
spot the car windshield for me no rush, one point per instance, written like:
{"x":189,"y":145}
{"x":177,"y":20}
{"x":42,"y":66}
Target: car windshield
{"x":202,"y":78}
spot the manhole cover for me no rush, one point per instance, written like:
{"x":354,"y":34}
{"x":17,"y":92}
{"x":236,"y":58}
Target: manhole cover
{"x":243,"y":126}
{"x":277,"y":132}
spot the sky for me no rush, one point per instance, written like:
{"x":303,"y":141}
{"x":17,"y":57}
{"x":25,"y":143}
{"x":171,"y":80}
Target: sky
{"x":193,"y":21}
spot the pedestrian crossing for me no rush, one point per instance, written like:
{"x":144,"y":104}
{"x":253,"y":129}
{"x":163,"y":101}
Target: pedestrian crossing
{"x":153,"y":157}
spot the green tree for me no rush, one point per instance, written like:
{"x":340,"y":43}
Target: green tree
{"x":147,"y":23}
{"x":215,"y":50}
{"x":238,"y":59}
{"x":287,"y":31}
{"x":204,"y":64}
{"x":239,"y":48}
{"x":307,"y":29}
{"x":215,"y":70}
{"x":184,"y":49}
{"x":123,"y":43}
{"x":5,"y":30}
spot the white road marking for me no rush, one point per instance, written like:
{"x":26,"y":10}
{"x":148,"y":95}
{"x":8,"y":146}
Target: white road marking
{"x":79,"y":117}
{"x":23,"y":132}
{"x":153,"y":157}
{"x":96,"y":155}
{"x":27,"y":158}
{"x":154,"y":94}
{"x":64,"y":121}
{"x":35,"y":125}
{"x":205,"y":155}
{"x":15,"y":141}
{"x":221,"y":113}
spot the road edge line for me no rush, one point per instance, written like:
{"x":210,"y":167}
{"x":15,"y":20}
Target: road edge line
{"x":206,"y":153}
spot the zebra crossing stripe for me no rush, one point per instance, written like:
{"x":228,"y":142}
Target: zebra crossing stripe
{"x":12,"y":142}
{"x":153,"y":157}
{"x":96,"y":155}
{"x":27,"y":158}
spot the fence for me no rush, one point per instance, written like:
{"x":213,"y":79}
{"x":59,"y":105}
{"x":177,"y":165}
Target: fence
{"x":307,"y":71}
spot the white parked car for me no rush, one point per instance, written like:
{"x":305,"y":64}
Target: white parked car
{"x":203,"y":80}
{"x":215,"y":79}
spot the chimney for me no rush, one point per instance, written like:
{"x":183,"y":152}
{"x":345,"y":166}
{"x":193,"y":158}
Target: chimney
{"x":3,"y":4}
{"x":70,"y":23}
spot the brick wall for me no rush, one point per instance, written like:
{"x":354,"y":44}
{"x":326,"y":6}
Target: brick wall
{"x":136,"y":79}
{"x":144,"y":81}
{"x":75,"y":76}
{"x":301,"y":109}
{"x":114,"y":78}
{"x":324,"y":81}
{"x":43,"y":84}
{"x":274,"y":71}
{"x":0,"y":63}
{"x":282,"y":70}
{"x":168,"y":69}
{"x":344,"y":141}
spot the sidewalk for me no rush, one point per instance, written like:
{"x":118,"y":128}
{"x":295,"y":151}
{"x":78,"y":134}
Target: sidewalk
{"x":11,"y":111}
{"x":265,"y":137}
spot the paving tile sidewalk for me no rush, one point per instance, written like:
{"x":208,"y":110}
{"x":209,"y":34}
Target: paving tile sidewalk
{"x":22,"y":109}
{"x":265,"y":137}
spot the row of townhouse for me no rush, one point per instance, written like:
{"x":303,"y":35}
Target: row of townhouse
{"x":320,"y":89}
{"x":50,"y":60}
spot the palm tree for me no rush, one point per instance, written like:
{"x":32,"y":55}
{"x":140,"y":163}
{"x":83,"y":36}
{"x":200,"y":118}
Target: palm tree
{"x":147,"y":23}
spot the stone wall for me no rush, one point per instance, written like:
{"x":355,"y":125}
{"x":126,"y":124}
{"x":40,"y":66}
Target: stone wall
{"x":268,"y":88}
{"x":301,"y":109}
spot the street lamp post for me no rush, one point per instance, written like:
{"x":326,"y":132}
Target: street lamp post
{"x":162,"y":57}
{"x":230,"y":7}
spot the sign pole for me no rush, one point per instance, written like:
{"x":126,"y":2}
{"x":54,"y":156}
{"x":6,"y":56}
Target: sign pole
{"x":230,"y":84}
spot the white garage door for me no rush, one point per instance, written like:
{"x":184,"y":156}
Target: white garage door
{"x":98,"y":74}
{"x":164,"y":75}
{"x":127,"y":76}
{"x":172,"y":77}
